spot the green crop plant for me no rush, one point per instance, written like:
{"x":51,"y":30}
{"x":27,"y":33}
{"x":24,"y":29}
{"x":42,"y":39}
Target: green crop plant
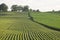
{"x":18,"y":26}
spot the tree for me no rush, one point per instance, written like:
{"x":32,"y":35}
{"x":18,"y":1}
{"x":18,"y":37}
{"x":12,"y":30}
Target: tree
{"x":26,"y":8}
{"x":30,"y":10}
{"x":37,"y":10}
{"x":53,"y":10}
{"x":34,"y":10}
{"x":19,"y":8}
{"x":14,"y":7}
{"x":58,"y":11}
{"x":0,"y":8}
{"x":3,"y":7}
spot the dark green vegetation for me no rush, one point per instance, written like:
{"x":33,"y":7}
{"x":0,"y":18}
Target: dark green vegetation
{"x":50,"y":19}
{"x":18,"y":26}
{"x":3,"y":7}
{"x":19,"y":8}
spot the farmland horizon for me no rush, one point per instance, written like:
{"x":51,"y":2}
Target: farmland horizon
{"x":29,"y":19}
{"x":42,"y":5}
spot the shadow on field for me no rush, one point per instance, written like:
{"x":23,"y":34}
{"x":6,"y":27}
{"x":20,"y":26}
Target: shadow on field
{"x":50,"y":27}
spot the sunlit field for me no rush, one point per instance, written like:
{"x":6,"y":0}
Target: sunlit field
{"x":18,"y":26}
{"x":50,"y":19}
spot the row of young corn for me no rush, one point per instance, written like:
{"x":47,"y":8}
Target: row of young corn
{"x":30,"y":36}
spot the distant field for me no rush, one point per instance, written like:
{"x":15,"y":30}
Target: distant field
{"x":18,"y":26}
{"x":50,"y":19}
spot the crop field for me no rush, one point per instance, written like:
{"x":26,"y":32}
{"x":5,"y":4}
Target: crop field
{"x":50,"y":19}
{"x":18,"y":26}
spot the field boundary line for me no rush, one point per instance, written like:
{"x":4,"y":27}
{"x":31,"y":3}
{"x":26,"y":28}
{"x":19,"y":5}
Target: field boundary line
{"x":50,"y":27}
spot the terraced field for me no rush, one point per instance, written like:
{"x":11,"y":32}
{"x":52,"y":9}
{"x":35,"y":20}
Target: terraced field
{"x":18,"y":26}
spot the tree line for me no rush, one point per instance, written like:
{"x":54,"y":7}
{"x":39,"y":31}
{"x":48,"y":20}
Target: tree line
{"x":4,"y":7}
{"x":19,"y":8}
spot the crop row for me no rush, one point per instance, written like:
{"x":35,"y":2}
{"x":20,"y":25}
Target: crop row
{"x":30,"y":36}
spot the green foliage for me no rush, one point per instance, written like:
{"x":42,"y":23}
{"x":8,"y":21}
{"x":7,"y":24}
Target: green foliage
{"x":26,"y":8}
{"x":37,"y":10}
{"x":14,"y":8}
{"x":19,"y":8}
{"x":3,"y":7}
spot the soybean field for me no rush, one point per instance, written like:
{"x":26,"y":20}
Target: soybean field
{"x":18,"y":26}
